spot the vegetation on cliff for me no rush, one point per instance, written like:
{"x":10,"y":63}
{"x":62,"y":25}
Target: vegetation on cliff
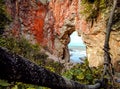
{"x":4,"y":17}
{"x":93,"y":8}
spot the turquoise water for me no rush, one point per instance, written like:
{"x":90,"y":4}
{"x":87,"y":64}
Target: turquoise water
{"x":77,"y":53}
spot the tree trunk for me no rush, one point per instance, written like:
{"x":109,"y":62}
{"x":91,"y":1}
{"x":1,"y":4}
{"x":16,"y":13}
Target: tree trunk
{"x":16,"y":68}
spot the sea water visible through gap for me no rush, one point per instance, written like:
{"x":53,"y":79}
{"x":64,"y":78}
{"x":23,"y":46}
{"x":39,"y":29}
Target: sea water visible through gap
{"x":77,"y":48}
{"x":77,"y":53}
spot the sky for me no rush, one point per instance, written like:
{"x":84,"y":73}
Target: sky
{"x":75,"y":40}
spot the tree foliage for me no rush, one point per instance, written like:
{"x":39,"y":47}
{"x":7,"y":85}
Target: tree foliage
{"x":83,"y":73}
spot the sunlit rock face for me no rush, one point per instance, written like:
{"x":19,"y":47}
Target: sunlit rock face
{"x":43,"y":22}
{"x":51,"y":22}
{"x":68,"y":18}
{"x":94,"y":37}
{"x":65,"y":14}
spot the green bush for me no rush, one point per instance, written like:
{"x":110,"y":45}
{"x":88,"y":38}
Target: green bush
{"x":18,"y":85}
{"x":23,"y":47}
{"x":83,"y":73}
{"x":54,"y":66}
{"x":4,"y":17}
{"x":93,"y":8}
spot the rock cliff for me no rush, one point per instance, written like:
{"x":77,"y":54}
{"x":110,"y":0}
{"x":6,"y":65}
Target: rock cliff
{"x":51,"y":22}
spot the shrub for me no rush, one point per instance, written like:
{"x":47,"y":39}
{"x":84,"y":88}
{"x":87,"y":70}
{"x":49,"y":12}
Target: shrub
{"x":23,"y":47}
{"x":4,"y":17}
{"x":92,"y":9}
{"x":83,"y":73}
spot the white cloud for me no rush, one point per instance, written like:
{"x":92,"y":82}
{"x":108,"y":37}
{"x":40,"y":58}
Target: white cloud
{"x":76,"y":40}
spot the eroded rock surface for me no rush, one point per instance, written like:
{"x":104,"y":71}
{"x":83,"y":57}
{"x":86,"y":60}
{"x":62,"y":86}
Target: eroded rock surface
{"x":50,"y":23}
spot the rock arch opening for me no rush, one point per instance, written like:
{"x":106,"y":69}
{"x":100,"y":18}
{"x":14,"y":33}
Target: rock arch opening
{"x":77,"y":48}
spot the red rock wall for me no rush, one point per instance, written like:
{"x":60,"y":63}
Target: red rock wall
{"x":28,"y":18}
{"x":62,"y":10}
{"x":50,"y":25}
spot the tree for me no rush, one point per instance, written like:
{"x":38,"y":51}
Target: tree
{"x":16,"y":68}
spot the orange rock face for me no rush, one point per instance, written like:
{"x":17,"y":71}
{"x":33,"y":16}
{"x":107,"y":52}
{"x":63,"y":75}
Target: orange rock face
{"x":50,"y":24}
{"x":28,"y":18}
{"x":38,"y":23}
{"x":63,"y":10}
